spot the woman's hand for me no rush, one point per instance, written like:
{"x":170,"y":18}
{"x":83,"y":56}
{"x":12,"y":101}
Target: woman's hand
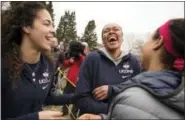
{"x":50,"y":115}
{"x":89,"y":117}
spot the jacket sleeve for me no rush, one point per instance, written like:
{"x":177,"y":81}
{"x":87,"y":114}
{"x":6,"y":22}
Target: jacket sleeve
{"x":114,"y":90}
{"x":67,"y":62}
{"x":82,"y":58}
{"x":137,"y":103}
{"x":104,"y":116}
{"x":59,"y":99}
{"x":88,"y":104}
{"x":31,"y":116}
{"x":55,"y":98}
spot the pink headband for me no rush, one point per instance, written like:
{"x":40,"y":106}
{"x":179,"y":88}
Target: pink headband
{"x":165,"y":33}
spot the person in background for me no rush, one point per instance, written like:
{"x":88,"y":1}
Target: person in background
{"x":72,"y":64}
{"x":58,"y":76}
{"x":86,"y":50}
{"x":61,"y":46}
{"x":27,"y":66}
{"x":108,"y":66}
{"x":55,"y":46}
{"x":157,"y":93}
{"x":55,"y":50}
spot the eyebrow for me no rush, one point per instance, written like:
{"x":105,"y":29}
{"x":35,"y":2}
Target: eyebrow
{"x":48,"y":21}
{"x":107,"y":29}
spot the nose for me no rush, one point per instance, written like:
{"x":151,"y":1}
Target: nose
{"x":111,"y":31}
{"x":53,"y":31}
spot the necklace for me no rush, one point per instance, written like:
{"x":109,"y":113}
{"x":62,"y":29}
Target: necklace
{"x":33,"y":72}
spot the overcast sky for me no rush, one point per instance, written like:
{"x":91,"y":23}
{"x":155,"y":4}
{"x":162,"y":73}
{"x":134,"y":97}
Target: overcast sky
{"x":136,"y":17}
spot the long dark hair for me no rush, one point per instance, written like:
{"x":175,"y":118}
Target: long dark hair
{"x":13,"y":20}
{"x":178,"y":40}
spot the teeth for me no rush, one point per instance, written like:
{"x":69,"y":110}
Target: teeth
{"x":113,"y":37}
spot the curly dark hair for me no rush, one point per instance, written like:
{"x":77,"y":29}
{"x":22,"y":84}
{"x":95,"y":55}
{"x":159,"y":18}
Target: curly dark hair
{"x":178,"y":40}
{"x":13,"y":20}
{"x":75,"y":49}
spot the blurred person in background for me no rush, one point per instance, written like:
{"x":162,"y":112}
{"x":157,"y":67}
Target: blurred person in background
{"x":86,"y":50}
{"x":72,"y":65}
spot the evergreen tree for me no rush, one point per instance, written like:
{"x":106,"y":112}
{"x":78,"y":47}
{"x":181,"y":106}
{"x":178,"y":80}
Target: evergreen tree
{"x":66,"y":29}
{"x":14,"y":3}
{"x":71,"y":33}
{"x":90,"y":36}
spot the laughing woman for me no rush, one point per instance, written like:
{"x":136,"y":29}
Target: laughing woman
{"x":157,"y":93}
{"x":27,"y":68}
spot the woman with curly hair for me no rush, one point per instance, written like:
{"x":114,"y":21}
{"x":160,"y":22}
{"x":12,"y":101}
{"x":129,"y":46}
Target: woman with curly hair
{"x":27,"y":68}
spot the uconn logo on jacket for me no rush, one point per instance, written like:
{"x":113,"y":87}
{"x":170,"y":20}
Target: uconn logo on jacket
{"x":126,"y":70}
{"x":45,"y":80}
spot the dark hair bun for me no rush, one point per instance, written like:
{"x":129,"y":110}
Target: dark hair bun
{"x":177,"y":30}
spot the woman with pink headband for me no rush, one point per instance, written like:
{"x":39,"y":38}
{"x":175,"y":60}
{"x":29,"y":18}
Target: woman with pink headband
{"x":158,"y":92}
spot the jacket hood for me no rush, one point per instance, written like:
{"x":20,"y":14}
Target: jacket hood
{"x":167,"y":85}
{"x":116,"y":61}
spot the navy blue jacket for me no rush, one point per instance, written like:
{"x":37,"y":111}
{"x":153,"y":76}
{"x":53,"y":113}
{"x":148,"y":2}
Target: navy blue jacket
{"x":97,"y":70}
{"x":25,"y":99}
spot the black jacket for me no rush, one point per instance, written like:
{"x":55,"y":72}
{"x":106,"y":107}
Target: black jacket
{"x":25,"y":99}
{"x":97,"y":70}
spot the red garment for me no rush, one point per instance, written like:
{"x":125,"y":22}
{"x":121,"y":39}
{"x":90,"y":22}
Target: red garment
{"x":74,"y":69}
